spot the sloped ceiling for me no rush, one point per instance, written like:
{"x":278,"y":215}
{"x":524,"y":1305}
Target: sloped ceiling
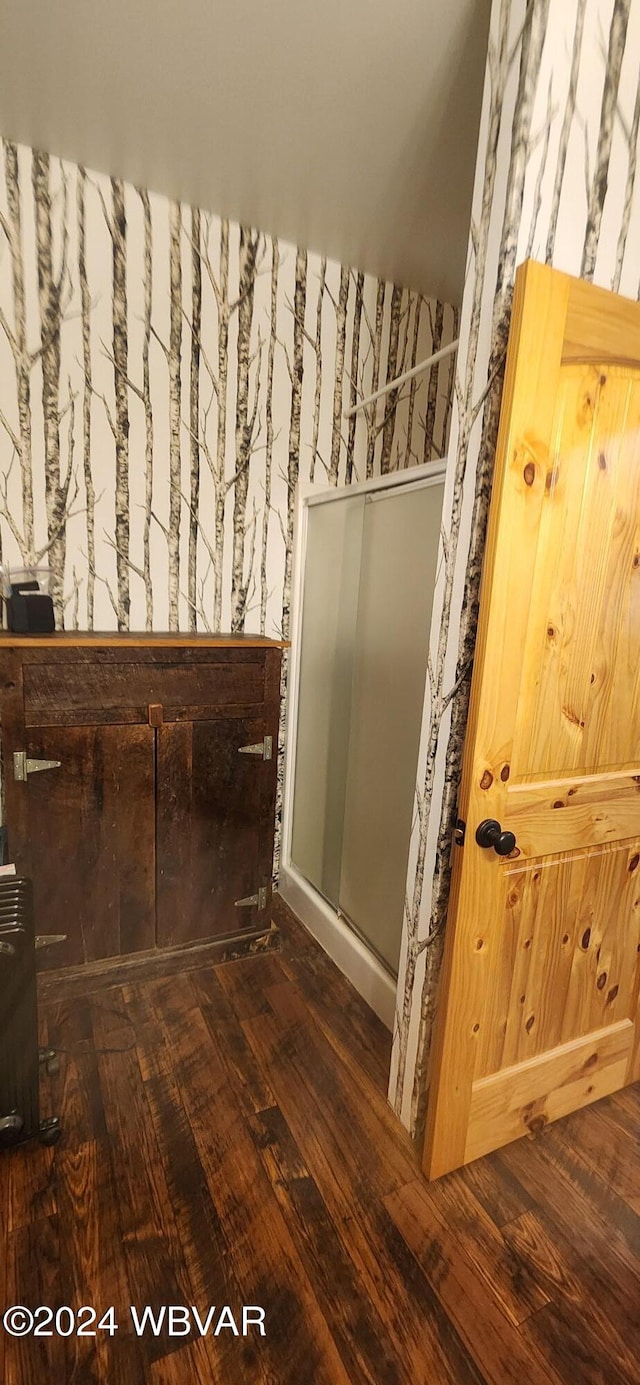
{"x":348,"y":126}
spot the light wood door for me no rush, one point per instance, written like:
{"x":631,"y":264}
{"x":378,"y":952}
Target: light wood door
{"x":539,"y":1001}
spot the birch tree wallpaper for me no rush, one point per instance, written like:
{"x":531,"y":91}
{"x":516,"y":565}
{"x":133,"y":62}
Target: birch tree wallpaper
{"x":166,"y":377}
{"x":555,"y":180}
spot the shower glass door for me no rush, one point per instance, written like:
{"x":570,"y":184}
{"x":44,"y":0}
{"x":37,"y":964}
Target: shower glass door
{"x":327,"y":652}
{"x":367,"y":595}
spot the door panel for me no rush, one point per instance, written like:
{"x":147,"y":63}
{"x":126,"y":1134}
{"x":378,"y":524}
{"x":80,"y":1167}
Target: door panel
{"x":571,"y":931}
{"x":91,"y":840}
{"x":577,"y":686}
{"x":214,"y":815}
{"x":539,"y":999}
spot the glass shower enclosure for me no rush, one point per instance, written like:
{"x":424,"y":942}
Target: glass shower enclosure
{"x":368,"y":557}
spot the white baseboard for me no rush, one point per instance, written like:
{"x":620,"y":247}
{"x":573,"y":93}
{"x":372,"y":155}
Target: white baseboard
{"x":345,"y":948}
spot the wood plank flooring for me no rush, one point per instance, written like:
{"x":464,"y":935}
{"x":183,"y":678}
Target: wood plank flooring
{"x":227,"y":1141}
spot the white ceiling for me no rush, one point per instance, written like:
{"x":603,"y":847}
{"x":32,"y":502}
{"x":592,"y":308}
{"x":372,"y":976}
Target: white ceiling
{"x":347,"y":126}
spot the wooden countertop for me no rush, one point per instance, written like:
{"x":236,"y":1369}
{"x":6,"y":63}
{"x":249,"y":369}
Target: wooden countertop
{"x":177,"y":640}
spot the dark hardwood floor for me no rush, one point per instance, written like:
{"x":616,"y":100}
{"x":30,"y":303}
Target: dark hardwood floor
{"x":227,"y":1141}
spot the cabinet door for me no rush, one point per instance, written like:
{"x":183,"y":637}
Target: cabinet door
{"x":91,"y":840}
{"x":214,"y":829}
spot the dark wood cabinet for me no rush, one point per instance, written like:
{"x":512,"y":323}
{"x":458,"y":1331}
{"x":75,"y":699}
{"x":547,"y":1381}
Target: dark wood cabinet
{"x":214,"y":827}
{"x":89,"y":844}
{"x":154,"y":829}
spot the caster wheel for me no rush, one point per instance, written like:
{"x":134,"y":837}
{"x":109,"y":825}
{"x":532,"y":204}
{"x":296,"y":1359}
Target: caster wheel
{"x":53,"y":1067}
{"x":50,"y":1131}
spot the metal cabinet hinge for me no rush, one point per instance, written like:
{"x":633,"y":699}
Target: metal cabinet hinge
{"x":49,"y":940}
{"x":23,"y":765}
{"x":260,"y":899}
{"x":263,"y":748}
{"x":460,"y":832}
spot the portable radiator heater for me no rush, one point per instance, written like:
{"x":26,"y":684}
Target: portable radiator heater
{"x":20,"y":1057}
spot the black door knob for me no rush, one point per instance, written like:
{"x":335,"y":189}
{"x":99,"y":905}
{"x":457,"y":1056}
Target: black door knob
{"x":11,"y":1128}
{"x":490,"y":834}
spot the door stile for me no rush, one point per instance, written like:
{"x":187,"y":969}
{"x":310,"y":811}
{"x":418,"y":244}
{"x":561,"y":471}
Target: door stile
{"x":474,"y":918}
{"x":13,"y":738}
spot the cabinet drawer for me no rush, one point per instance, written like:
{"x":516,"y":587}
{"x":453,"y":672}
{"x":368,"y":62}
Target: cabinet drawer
{"x":84,"y":693}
